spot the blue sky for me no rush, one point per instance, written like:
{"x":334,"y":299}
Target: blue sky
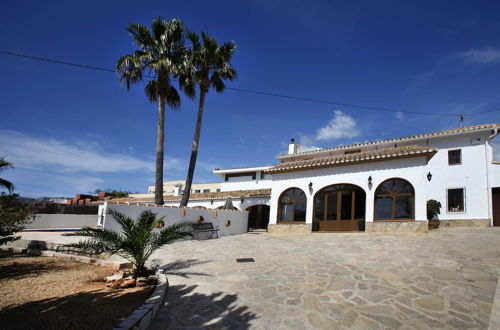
{"x":70,"y":130}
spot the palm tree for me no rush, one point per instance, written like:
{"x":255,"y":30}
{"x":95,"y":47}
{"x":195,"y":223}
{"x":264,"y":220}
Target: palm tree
{"x":4,"y":183}
{"x":211,"y":65}
{"x":161,"y":52}
{"x":138,"y":239}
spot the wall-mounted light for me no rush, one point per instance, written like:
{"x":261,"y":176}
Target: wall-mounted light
{"x":370,"y":180}
{"x":242,"y":200}
{"x":429,"y":176}
{"x":212,"y":202}
{"x":310,"y":186}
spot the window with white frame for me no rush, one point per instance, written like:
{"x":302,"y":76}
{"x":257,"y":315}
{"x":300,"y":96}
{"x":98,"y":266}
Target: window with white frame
{"x":456,"y":200}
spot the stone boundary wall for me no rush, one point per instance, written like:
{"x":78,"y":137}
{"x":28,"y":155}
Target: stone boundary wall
{"x":418,"y":226}
{"x":229,"y":222}
{"x":54,"y":221}
{"x":141,"y":318}
{"x":290,"y":228}
{"x":464,"y":223}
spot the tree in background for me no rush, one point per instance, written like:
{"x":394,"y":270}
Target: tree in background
{"x":211,"y":65}
{"x":136,"y":242}
{"x":162,"y":53}
{"x":13,"y":214}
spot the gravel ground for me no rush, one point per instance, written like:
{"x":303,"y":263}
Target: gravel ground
{"x":54,"y":293}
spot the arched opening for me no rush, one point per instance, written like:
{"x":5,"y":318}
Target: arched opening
{"x":222,"y":208}
{"x":339,"y":207}
{"x":258,"y":217}
{"x":395,"y":200}
{"x":292,"y":206}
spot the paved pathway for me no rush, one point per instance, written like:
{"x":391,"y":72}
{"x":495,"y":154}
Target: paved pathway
{"x":444,"y":279}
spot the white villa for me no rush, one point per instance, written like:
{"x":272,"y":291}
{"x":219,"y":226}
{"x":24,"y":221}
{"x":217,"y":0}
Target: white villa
{"x":375,"y":186}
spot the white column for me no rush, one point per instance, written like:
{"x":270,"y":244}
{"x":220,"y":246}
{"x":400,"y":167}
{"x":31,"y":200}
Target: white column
{"x":370,"y":202}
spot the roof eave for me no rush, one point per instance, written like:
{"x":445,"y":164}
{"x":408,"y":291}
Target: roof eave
{"x":427,"y":154}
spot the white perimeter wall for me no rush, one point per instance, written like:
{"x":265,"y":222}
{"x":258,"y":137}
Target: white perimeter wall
{"x":239,"y":219}
{"x":247,"y":202}
{"x":48,"y":221}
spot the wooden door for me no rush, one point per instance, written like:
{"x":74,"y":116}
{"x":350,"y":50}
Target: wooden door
{"x":339,"y":211}
{"x":496,"y":206}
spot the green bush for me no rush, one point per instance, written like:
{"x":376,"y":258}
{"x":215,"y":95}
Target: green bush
{"x":433,"y":208}
{"x":13,"y":216}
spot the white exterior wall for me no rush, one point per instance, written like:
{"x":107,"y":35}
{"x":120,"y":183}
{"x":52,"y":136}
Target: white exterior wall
{"x":53,"y":221}
{"x":412,"y":170}
{"x":471,"y":174}
{"x":246,"y":185}
{"x":476,"y":174}
{"x":247,"y":202}
{"x":239,"y":219}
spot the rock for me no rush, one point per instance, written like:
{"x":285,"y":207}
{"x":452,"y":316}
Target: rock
{"x":152,"y":280}
{"x":113,"y":278}
{"x":115,"y":284}
{"x":142,"y":281}
{"x":127,"y":283}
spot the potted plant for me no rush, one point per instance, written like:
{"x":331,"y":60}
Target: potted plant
{"x":433,"y":209}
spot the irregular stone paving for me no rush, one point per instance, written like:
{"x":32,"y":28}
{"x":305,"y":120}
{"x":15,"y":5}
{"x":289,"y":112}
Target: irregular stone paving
{"x":445,"y":279}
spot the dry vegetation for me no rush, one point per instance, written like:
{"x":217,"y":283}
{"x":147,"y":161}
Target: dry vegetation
{"x":53,"y":293}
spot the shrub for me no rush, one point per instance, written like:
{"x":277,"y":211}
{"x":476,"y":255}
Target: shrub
{"x":433,"y":208}
{"x":137,"y":241}
{"x":13,"y":216}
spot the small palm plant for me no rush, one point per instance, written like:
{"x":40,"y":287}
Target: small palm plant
{"x":4,"y":183}
{"x":138,"y":239}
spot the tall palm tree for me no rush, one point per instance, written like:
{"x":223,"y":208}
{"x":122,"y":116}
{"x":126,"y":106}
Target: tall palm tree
{"x":161,"y":52}
{"x":136,"y":242}
{"x":4,"y":183}
{"x":211,"y":65}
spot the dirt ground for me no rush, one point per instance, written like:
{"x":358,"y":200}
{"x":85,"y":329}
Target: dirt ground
{"x":54,"y":293}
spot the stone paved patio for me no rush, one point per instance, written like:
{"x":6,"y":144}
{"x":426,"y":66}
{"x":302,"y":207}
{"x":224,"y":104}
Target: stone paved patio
{"x":443,"y":279}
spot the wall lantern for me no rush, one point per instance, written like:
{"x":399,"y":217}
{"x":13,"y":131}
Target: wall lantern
{"x":370,"y":180}
{"x":212,"y":202}
{"x":429,"y":176}
{"x":310,"y":186}
{"x":242,"y":200}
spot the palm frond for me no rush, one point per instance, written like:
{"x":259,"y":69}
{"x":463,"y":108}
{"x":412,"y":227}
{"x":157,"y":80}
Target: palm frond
{"x":7,"y":185}
{"x":5,"y":164}
{"x":172,"y":98}
{"x":130,"y":69}
{"x":151,"y":91}
{"x":141,"y":36}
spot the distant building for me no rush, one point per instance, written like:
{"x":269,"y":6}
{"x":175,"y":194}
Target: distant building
{"x":175,"y":188}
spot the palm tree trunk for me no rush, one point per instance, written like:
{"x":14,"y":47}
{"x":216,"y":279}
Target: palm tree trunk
{"x":194,"y":150}
{"x":160,"y":142}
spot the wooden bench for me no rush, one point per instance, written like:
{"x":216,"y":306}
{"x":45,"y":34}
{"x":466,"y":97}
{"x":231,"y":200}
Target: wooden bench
{"x":205,"y":227}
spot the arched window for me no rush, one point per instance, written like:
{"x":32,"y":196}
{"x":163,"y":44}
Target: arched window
{"x":292,"y":206}
{"x":395,"y":200}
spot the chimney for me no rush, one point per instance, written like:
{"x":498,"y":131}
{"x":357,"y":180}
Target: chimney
{"x":178,"y":190}
{"x":292,"y":147}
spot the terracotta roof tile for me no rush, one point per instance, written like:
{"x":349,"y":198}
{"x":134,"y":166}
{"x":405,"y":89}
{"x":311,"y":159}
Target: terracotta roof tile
{"x":406,"y":138}
{"x":362,"y":157}
{"x":203,"y":196}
